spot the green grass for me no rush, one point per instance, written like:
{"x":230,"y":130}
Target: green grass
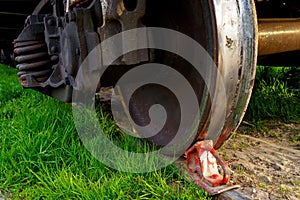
{"x":276,"y":95}
{"x":42,"y":157}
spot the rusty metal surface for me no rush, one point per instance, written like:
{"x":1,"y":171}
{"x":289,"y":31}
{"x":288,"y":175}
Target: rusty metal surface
{"x":200,"y":27}
{"x":226,"y":29}
{"x":40,"y":77}
{"x":51,"y":47}
{"x":231,"y":195}
{"x":33,"y":62}
{"x":278,"y":35}
{"x":29,"y":47}
{"x":202,"y":162}
{"x":237,"y":48}
{"x":230,"y":192}
{"x":34,"y":56}
{"x":120,"y":16}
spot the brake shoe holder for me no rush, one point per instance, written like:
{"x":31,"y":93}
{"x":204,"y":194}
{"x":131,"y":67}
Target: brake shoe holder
{"x":202,"y":166}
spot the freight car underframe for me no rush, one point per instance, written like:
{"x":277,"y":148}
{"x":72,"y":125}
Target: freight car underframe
{"x":52,"y":46}
{"x":59,"y":35}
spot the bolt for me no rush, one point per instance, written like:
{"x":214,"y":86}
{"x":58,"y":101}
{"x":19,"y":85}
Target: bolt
{"x":54,"y":49}
{"x":50,"y":22}
{"x":54,"y":58}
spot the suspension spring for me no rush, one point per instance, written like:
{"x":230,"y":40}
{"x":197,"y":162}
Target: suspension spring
{"x":34,"y":62}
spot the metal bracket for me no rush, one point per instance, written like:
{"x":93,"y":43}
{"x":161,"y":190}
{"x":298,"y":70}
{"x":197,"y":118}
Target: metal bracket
{"x":118,"y":19}
{"x":201,"y":167}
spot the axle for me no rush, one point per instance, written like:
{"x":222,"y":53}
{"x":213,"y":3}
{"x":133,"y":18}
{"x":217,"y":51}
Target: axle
{"x":278,"y":35}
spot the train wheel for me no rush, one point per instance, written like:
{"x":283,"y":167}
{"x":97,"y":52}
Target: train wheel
{"x":228,"y":32}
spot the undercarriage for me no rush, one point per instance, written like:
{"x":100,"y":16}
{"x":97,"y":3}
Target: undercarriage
{"x":58,"y":35}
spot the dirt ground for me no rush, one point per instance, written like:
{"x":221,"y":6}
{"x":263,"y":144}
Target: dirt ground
{"x":265,"y":161}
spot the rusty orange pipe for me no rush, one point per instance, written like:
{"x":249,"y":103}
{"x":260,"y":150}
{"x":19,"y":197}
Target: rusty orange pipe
{"x":278,"y":35}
